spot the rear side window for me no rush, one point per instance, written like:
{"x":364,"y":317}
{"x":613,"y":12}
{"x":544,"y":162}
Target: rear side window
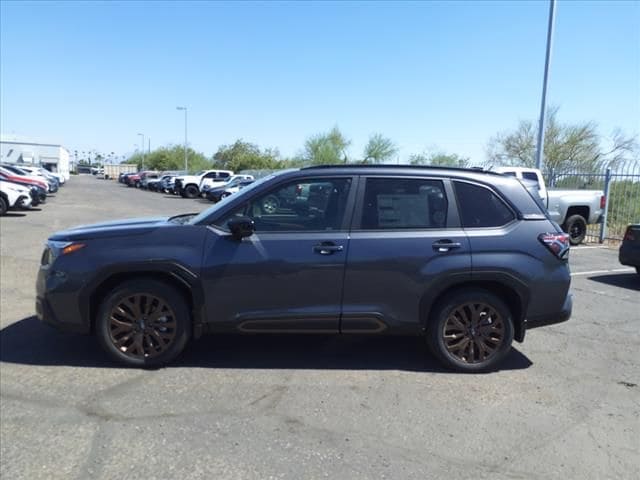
{"x":480,"y":207}
{"x":530,"y":176}
{"x":401,"y":203}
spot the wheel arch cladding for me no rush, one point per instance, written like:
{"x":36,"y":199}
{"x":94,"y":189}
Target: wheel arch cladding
{"x":514,"y":300}
{"x":191,"y":293}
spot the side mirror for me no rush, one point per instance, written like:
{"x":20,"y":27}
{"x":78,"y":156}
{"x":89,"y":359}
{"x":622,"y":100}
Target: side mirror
{"x":241,"y":227}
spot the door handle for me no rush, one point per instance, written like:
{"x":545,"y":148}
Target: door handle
{"x":444,"y":246}
{"x":327,"y":248}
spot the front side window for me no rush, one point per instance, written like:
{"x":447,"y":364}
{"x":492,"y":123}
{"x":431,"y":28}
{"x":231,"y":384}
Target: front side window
{"x":401,"y":203}
{"x":480,"y":207}
{"x":303,"y":205}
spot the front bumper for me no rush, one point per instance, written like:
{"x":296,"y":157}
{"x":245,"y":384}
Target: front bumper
{"x":57,"y":301}
{"x":24,"y":201}
{"x":552,"y":318}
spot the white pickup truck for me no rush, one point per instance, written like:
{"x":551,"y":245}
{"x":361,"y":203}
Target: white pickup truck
{"x":572,"y":209}
{"x":188,"y":186}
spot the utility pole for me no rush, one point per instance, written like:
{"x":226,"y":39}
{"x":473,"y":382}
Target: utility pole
{"x":543,"y":103}
{"x":186,"y":163}
{"x":142,"y":150}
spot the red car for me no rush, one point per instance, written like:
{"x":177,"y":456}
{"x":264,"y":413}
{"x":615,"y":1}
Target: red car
{"x":132,"y":180}
{"x":9,"y":175}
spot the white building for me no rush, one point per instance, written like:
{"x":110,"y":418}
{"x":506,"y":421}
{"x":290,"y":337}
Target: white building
{"x":54,"y":158}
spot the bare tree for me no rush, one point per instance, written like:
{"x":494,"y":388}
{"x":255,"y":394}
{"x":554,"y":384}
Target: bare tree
{"x":567,"y":147}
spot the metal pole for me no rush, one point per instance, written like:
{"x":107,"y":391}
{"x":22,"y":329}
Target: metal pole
{"x":186,"y":165}
{"x":603,"y":225}
{"x":543,"y":103}
{"x":142,"y":150}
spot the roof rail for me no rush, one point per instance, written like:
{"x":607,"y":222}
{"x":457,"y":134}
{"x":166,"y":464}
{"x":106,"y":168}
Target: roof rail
{"x":404,"y":166}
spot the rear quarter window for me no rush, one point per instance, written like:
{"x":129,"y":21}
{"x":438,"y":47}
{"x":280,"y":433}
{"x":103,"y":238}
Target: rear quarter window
{"x":481,"y":208}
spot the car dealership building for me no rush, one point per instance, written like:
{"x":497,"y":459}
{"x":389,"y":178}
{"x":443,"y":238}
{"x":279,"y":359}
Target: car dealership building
{"x":53,"y":157}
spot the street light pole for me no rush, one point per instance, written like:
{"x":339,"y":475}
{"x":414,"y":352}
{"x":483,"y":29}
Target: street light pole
{"x":142,"y":149}
{"x":543,"y":103}
{"x":186,"y":163}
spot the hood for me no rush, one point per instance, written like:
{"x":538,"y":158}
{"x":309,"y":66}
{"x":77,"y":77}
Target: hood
{"x":116,"y":228}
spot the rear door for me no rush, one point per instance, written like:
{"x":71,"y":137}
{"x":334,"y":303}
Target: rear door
{"x":406,"y":243}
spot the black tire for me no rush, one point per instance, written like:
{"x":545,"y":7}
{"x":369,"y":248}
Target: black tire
{"x":191,"y":191}
{"x":446,"y":315}
{"x":576,"y":227}
{"x":270,"y":205}
{"x":176,"y":323}
{"x":4,"y":206}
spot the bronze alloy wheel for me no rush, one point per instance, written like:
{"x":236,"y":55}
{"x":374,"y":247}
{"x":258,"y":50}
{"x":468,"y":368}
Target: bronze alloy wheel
{"x":473,"y":332}
{"x":142,"y":325}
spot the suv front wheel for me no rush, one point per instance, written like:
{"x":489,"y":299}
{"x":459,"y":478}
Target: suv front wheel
{"x":143,"y":323}
{"x":470,"y":331}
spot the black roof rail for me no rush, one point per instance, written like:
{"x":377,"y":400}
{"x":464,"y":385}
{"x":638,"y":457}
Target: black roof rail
{"x":404,"y":166}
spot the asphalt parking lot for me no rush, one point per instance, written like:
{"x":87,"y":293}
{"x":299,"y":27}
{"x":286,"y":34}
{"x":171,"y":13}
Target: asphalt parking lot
{"x":566,"y":404}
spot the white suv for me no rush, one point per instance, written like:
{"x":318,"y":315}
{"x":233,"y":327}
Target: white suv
{"x":13,"y":195}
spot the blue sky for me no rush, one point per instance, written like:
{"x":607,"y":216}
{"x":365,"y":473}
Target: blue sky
{"x":431,"y":75}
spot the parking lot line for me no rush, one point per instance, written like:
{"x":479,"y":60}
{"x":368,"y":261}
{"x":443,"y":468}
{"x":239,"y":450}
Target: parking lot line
{"x":613,"y":270}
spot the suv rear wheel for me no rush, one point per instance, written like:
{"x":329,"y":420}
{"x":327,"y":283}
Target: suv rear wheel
{"x":470,"y":331}
{"x":191,"y":191}
{"x":4,"y":206}
{"x":143,"y":323}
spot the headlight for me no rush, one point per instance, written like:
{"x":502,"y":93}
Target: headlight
{"x":56,"y":248}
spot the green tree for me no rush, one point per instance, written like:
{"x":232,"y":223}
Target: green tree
{"x":379,"y":149}
{"x":567,"y":147}
{"x":170,"y":158}
{"x":439,"y":159}
{"x":247,"y":156}
{"x":326,"y":148}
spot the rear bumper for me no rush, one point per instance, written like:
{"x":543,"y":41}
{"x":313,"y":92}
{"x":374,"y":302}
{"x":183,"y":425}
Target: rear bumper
{"x":550,"y":319}
{"x":629,"y":254}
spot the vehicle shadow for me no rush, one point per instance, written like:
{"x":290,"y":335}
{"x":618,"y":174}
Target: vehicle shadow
{"x":173,"y":196}
{"x":14,"y":214}
{"x":623,"y":280}
{"x":29,"y":342}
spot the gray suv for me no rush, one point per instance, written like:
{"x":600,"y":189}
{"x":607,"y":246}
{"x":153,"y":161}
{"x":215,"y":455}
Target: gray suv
{"x":468,"y":259}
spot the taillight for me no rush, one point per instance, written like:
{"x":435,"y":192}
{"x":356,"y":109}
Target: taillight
{"x":603,"y":202}
{"x":556,"y":243}
{"x":628,"y":235}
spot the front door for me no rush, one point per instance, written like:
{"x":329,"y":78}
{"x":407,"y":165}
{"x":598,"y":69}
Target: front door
{"x":288,"y":275}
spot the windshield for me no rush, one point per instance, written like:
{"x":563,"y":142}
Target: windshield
{"x":242,"y":193}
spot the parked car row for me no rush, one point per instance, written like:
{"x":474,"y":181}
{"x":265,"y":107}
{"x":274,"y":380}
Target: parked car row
{"x":214,"y":185}
{"x":23,"y":187}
